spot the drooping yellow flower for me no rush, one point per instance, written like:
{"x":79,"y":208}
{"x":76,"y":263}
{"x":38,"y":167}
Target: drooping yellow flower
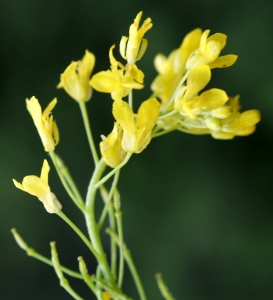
{"x":110,"y":147}
{"x":120,"y":80}
{"x":171,"y":69}
{"x":188,"y":101}
{"x":137,"y":128}
{"x":133,"y":48}
{"x":209,"y":51}
{"x":38,"y":186}
{"x":75,"y":78}
{"x":47,"y":128}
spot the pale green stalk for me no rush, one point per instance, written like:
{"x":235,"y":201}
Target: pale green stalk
{"x":105,"y":178}
{"x":86,"y":276}
{"x":108,"y":200}
{"x":173,"y":95}
{"x":33,"y":253}
{"x":130,"y":99}
{"x":67,"y":176}
{"x":88,"y":131}
{"x":163,"y":288}
{"x":118,"y":215}
{"x":168,"y":115}
{"x":79,"y":233}
{"x":157,"y":134}
{"x":65,"y":184}
{"x":132,"y":267}
{"x":91,"y":221}
{"x":63,"y":281}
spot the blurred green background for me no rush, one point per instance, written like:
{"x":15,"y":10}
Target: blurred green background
{"x":196,"y":209}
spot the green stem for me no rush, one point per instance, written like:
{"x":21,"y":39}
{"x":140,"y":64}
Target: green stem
{"x":108,"y":200}
{"x":64,"y":182}
{"x":163,"y":288}
{"x":88,"y":131}
{"x":121,"y":248}
{"x":105,"y":178}
{"x":130,"y":98}
{"x":67,"y":176}
{"x":167,"y":115}
{"x":132,"y":267}
{"x":164,"y":131}
{"x":79,"y":233}
{"x":91,"y":222}
{"x":57,"y":267}
{"x":86,"y":276}
{"x":33,"y":253}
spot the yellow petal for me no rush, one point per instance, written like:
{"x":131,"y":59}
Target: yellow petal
{"x":105,"y":82}
{"x":45,"y":171}
{"x":219,"y":37}
{"x":111,"y":149}
{"x":198,"y":78}
{"x":50,"y":107}
{"x":189,"y":44}
{"x":123,"y":114}
{"x":148,"y":114}
{"x":35,"y":110}
{"x":223,"y":61}
{"x":213,"y":99}
{"x":35,"y":186}
{"x":18,"y":185}
{"x":243,"y":121}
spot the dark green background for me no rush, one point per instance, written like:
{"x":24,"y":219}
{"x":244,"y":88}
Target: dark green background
{"x":196,"y":209}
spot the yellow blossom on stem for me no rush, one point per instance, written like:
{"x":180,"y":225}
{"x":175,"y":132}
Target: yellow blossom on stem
{"x":120,"y":80}
{"x":110,"y":147}
{"x":47,"y":128}
{"x":187,"y":100}
{"x":38,"y":186}
{"x":209,"y":51}
{"x":75,"y":78}
{"x":133,"y":48}
{"x":171,"y":69}
{"x":137,"y":128}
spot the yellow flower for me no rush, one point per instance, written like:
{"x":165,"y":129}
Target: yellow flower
{"x":133,"y":48}
{"x":209,"y":51}
{"x":38,"y":186}
{"x":75,"y":78}
{"x":171,"y":69}
{"x":120,"y":80}
{"x":47,"y":128}
{"x":187,"y":100}
{"x":110,"y":147}
{"x":137,"y":128}
{"x":237,"y":124}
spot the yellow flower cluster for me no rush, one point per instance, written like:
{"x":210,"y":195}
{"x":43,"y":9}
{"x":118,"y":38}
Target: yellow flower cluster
{"x":210,"y":112}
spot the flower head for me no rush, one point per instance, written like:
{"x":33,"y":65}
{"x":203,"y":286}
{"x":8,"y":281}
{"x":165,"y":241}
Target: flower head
{"x":38,"y":186}
{"x":75,"y":78}
{"x":120,"y":80}
{"x":133,"y":48}
{"x":110,"y":147}
{"x":209,"y":51}
{"x":188,"y":101}
{"x":171,"y":69}
{"x":137,"y":128}
{"x":47,"y":128}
